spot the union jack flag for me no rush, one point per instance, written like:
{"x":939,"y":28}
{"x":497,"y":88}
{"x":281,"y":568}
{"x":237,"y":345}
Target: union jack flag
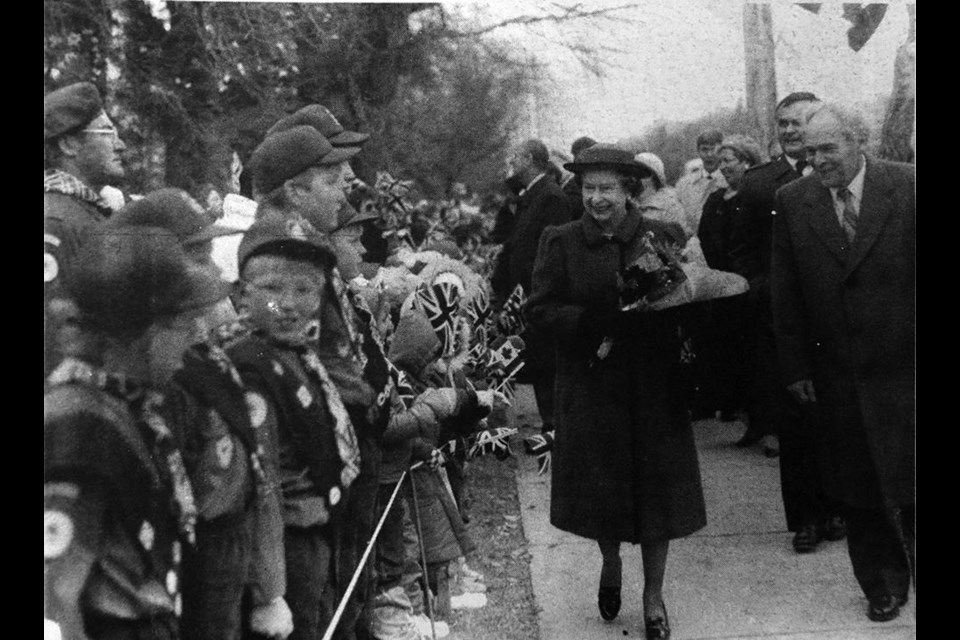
{"x":510,"y":321}
{"x":441,"y":304}
{"x":405,"y":390}
{"x":479,"y":313}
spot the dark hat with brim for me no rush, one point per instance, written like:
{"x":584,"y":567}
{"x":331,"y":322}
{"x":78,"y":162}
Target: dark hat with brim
{"x":286,"y":154}
{"x":124,"y":278}
{"x":606,"y":156}
{"x":291,"y":237}
{"x":176,"y":211}
{"x":321,"y":119}
{"x":70,"y":108}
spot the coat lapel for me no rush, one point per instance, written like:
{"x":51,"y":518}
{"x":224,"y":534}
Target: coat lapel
{"x":822,"y":217}
{"x":875,"y":208}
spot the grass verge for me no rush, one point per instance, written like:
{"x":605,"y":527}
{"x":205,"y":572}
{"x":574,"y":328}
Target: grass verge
{"x":502,"y":556}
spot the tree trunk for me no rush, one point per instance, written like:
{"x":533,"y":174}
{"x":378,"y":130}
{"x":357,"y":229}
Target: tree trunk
{"x":898,"y":138}
{"x":761,"y":74}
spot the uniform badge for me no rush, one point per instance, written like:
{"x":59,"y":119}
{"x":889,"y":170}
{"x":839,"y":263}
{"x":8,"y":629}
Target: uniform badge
{"x":257,"y":407}
{"x":224,"y":451}
{"x":146,"y":535}
{"x":303,"y":395}
{"x":277,"y":368}
{"x":335,"y":496}
{"x":50,"y":267}
{"x":172,"y":582}
{"x":57,"y":533}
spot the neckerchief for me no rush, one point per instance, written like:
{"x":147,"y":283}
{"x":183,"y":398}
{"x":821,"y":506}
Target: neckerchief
{"x":346,"y":437}
{"x":143,"y":403}
{"x":57,"y":181}
{"x":349,"y":315}
{"x":213,"y":353}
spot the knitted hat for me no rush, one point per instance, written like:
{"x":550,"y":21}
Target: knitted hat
{"x":70,"y":108}
{"x":653,"y":162}
{"x":744,"y":146}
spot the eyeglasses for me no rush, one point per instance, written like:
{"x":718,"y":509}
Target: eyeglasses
{"x":104,"y":130}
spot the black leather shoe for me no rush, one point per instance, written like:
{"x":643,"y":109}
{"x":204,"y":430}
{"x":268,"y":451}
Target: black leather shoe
{"x":657,"y":628}
{"x":608,"y":599}
{"x":885,"y":608}
{"x":806,"y":539}
{"x":835,"y":528}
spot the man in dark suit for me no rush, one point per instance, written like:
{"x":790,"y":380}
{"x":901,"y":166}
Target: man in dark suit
{"x":844,"y":288}
{"x":540,"y":204}
{"x":811,"y":514}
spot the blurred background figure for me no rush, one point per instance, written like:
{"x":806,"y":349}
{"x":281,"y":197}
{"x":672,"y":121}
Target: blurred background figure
{"x":658,"y":200}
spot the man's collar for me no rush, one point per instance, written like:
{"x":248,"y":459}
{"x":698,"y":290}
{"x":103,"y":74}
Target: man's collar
{"x":855,"y":186}
{"x":532,"y":182}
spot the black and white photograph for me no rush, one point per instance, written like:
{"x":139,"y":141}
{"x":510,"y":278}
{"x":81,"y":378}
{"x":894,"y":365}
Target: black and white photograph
{"x":529,"y":320}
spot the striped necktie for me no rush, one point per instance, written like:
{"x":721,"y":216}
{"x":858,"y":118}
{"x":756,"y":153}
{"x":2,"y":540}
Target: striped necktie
{"x":850,"y":215}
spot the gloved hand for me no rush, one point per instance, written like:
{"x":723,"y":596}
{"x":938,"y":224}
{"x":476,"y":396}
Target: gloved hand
{"x":273,"y":620}
{"x":600,"y":321}
{"x":492,"y":399}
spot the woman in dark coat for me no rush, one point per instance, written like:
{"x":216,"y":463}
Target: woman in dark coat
{"x":727,"y":343}
{"x":624,"y":463}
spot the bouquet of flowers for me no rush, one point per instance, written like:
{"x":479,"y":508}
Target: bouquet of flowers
{"x":666,"y":275}
{"x":653,"y":274}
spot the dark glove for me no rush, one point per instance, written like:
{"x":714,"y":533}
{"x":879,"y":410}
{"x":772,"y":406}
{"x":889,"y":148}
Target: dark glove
{"x":599,"y":322}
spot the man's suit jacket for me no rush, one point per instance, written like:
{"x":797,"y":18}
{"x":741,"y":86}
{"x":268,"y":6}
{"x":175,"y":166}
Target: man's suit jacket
{"x":752,"y":234}
{"x":844,"y":317}
{"x":542,"y":205}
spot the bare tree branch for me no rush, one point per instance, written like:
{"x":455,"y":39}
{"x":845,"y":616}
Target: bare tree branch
{"x":573,"y":12}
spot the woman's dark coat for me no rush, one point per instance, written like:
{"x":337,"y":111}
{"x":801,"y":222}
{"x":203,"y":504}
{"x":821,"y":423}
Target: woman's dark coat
{"x":624,"y":462}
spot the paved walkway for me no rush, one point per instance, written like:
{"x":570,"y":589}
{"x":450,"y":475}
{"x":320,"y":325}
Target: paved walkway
{"x":737,"y":578}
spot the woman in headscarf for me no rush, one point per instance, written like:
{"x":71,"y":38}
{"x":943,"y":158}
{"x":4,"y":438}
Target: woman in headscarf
{"x":658,"y":200}
{"x":624,"y":463}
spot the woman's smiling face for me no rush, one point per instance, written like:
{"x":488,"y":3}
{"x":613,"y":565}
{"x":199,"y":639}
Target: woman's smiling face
{"x":604,"y":197}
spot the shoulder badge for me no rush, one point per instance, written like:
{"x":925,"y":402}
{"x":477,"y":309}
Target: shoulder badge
{"x":57,"y":533}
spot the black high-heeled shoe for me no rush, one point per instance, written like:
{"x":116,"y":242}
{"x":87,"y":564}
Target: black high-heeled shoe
{"x":608,"y":600}
{"x":657,"y":628}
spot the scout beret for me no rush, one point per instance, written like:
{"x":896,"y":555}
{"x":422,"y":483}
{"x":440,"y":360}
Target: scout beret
{"x":286,"y":154}
{"x":70,"y":108}
{"x":123,"y":278}
{"x":176,"y":211}
{"x":320,"y":118}
{"x":602,"y":155}
{"x":292,"y":237}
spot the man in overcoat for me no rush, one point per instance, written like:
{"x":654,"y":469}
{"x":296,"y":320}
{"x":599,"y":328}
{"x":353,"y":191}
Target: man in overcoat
{"x":810,"y":513}
{"x":843,"y":282}
{"x":541,"y":204}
